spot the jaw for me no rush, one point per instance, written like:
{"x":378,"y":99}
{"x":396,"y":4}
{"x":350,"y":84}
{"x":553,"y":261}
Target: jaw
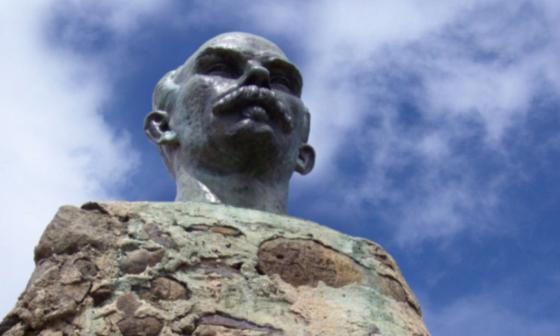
{"x":245,"y":147}
{"x":253,"y":148}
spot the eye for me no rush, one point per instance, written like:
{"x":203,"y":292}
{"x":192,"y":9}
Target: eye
{"x":220,"y":68}
{"x":283,"y":83}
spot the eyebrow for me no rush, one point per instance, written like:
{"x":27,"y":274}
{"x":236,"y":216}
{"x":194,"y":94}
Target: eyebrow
{"x":213,"y":51}
{"x":270,"y":60}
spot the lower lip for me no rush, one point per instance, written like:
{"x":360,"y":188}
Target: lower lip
{"x":255,"y":113}
{"x":252,"y":126}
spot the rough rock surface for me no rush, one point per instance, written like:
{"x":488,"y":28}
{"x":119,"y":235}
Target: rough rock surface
{"x":201,"y":269}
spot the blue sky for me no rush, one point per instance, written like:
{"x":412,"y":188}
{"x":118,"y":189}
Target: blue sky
{"x":435,"y":124}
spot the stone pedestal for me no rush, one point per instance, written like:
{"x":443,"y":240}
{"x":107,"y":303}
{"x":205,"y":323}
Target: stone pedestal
{"x":201,"y":269}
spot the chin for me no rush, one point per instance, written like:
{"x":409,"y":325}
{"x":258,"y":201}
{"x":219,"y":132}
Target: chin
{"x":253,"y":141}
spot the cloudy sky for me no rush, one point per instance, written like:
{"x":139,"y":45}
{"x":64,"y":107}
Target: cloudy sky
{"x":435,"y":123}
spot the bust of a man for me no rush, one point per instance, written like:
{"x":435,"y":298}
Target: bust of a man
{"x":232,"y":129}
{"x":230,"y":124}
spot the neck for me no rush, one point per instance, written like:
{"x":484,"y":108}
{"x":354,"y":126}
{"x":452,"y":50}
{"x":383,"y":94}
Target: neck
{"x":233,"y":189}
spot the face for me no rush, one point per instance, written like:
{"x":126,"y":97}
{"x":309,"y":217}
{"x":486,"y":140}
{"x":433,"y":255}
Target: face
{"x":239,"y":106}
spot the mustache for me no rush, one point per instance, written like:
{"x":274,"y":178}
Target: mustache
{"x":245,"y":96}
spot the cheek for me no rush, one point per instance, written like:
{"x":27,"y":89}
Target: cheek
{"x":197,"y":95}
{"x":298,"y":114}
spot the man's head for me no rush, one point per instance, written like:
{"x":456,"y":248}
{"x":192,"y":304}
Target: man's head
{"x":234,"y":107}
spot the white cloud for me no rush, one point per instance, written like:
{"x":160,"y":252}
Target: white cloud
{"x":487,"y":315}
{"x":119,"y":17}
{"x":57,"y":148}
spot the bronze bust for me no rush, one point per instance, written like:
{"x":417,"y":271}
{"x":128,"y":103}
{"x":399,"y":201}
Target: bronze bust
{"x":230,"y":124}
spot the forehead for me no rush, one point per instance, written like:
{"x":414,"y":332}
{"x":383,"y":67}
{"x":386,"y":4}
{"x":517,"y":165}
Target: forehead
{"x":250,"y":46}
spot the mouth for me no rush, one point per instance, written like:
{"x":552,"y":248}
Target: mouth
{"x":256,"y":104}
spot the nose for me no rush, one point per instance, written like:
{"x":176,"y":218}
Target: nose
{"x":256,"y":74}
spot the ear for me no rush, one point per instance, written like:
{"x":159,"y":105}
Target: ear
{"x":156,"y":126}
{"x":305,"y":160}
